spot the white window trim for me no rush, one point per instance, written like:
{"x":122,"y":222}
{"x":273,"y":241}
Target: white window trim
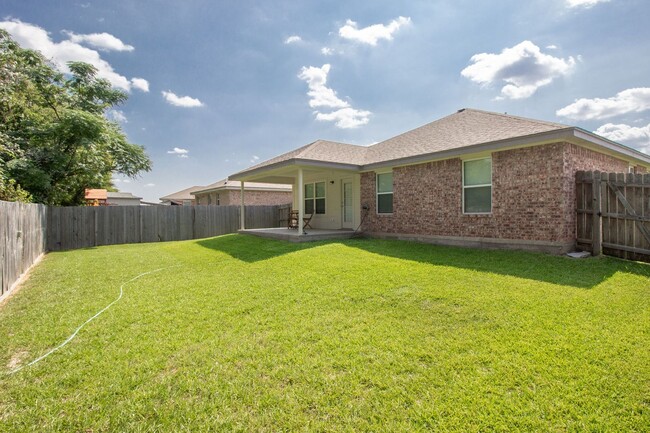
{"x":477,"y":186}
{"x":377,"y":193}
{"x":316,"y":197}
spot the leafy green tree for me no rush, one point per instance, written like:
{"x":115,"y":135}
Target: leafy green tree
{"x":55,"y":140}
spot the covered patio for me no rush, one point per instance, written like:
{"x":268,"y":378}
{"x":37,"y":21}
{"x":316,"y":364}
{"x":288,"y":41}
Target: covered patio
{"x":327,"y":193}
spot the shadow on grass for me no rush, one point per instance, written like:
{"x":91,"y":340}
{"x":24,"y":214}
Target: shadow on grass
{"x":581,"y":273}
{"x":250,"y":249}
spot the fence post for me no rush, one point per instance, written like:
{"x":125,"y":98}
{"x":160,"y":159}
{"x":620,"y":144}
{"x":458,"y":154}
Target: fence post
{"x":597,"y":239}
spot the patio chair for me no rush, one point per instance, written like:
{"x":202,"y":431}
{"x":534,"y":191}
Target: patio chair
{"x":307,"y":222}
{"x":292,"y":221}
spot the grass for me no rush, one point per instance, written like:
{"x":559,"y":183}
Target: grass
{"x":248,"y":335}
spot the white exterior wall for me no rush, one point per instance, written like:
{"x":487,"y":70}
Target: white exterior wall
{"x":333,"y":216}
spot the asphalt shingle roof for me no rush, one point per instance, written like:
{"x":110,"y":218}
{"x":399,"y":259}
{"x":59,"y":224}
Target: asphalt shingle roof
{"x":464,"y":128}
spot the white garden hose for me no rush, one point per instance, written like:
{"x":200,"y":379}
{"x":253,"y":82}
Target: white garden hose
{"x":74,"y":334}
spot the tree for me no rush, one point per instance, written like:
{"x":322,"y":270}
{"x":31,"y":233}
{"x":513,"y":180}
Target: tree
{"x":55,"y":140}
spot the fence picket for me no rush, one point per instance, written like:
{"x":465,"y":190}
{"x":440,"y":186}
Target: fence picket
{"x":621,"y":224}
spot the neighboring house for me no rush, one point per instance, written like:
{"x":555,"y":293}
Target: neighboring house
{"x":102,"y":197}
{"x":228,"y":192}
{"x":96,"y":197}
{"x":473,"y":178}
{"x":122,"y":199}
{"x":181,"y":198}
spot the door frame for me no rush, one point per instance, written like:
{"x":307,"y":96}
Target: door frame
{"x":347,"y":224}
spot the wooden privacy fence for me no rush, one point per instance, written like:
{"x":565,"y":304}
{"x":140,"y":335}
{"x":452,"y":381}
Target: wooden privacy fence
{"x":613,"y":214}
{"x":83,"y":227}
{"x":29,"y":230}
{"x":22,"y":239}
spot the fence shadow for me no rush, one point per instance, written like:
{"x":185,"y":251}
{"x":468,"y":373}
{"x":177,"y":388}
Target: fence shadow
{"x":561,"y":270}
{"x":579,"y":273}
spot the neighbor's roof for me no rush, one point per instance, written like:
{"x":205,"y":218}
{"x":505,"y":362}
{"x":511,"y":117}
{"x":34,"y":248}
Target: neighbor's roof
{"x":183,"y":194}
{"x":235,"y":184}
{"x":95,"y":194}
{"x":117,"y":194}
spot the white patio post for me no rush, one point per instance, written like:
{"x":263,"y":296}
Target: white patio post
{"x":242,"y":218}
{"x":301,"y":201}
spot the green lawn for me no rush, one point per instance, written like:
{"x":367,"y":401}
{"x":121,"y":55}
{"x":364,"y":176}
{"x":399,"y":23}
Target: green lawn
{"x":245,"y":334}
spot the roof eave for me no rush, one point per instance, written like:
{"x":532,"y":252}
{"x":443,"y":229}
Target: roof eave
{"x":251,"y":173}
{"x":582,"y":134}
{"x":237,"y":188}
{"x":569,"y":134}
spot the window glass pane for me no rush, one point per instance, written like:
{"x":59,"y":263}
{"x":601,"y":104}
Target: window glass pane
{"x":385,"y":182}
{"x":320,"y":189}
{"x":309,"y":190}
{"x":478,"y":199}
{"x":320,"y":205}
{"x":478,"y":172}
{"x":309,"y":206}
{"x":385,"y":203}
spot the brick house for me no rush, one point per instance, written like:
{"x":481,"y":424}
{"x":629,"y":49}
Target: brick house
{"x":473,"y":178}
{"x":228,"y":192}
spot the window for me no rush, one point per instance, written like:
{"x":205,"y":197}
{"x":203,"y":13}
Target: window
{"x":315,"y":198}
{"x":209,"y":199}
{"x":385,"y":193}
{"x":218,"y":199}
{"x":477,"y":186}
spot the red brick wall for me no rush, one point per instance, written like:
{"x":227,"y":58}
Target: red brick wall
{"x":231,"y":197}
{"x":533,"y":195}
{"x":578,"y":158}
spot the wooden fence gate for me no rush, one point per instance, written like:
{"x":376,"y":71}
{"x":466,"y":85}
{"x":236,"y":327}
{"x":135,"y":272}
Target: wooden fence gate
{"x":613,"y":214}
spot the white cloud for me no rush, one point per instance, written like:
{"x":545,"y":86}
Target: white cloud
{"x":524,"y":69}
{"x":628,"y":101}
{"x":116,"y":116}
{"x":149,"y":185}
{"x":321,"y":95}
{"x":140,"y":84}
{"x":254,"y":159}
{"x":551,"y":47}
{"x":346,"y":118}
{"x":182,"y":153}
{"x":584,"y":3}
{"x":181,"y":101}
{"x":327,"y":51}
{"x":371,"y":34}
{"x":101,"y":41}
{"x":60,"y":53}
{"x":633,"y":136}
{"x":293,"y":39}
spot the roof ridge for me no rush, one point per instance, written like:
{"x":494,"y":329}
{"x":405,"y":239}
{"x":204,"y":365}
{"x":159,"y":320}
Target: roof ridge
{"x":512,"y":116}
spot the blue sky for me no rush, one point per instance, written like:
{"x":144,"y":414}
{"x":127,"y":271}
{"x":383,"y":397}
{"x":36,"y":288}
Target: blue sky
{"x":217,"y":86}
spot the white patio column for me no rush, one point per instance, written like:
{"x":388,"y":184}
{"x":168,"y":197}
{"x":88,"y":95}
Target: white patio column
{"x":301,"y":201}
{"x":242,"y":218}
